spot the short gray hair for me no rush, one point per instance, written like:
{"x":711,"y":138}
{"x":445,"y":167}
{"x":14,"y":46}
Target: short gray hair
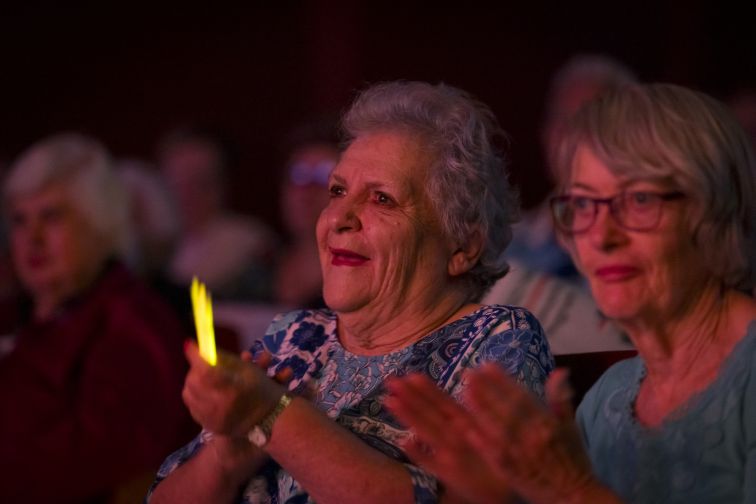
{"x":84,"y":167}
{"x":668,"y":132}
{"x":468,"y":181}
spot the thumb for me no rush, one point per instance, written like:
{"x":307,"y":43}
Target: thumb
{"x":559,"y":394}
{"x":191,"y":351}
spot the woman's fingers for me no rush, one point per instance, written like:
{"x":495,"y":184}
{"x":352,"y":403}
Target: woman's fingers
{"x":417,"y":402}
{"x":559,"y":394}
{"x":263,"y":359}
{"x":502,"y":408}
{"x":284,"y":376}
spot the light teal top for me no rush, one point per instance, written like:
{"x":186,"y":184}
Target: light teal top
{"x":704,"y":452}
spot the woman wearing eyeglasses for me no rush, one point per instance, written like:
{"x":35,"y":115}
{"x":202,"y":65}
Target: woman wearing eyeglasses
{"x":658,"y":210}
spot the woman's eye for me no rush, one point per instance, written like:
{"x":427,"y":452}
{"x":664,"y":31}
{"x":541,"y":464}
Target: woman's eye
{"x":336,"y":190}
{"x":641,"y":198}
{"x":383,"y":199}
{"x":581,"y":203}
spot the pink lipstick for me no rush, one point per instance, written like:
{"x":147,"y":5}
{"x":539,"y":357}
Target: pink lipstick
{"x":343,"y":257}
{"x":616,"y":273}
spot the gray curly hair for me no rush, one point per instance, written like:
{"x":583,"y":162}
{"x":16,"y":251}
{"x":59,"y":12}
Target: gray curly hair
{"x":468,"y":181}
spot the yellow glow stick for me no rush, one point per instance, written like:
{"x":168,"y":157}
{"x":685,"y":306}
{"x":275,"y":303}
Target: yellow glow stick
{"x":202,"y":307}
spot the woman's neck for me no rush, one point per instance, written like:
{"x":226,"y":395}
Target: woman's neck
{"x":684,"y":356}
{"x":379,"y":332}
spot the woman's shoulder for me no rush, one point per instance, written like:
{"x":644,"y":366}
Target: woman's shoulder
{"x":306,"y":329}
{"x":294,"y":318}
{"x":508,"y":317}
{"x":128,"y":303}
{"x":517,"y":315}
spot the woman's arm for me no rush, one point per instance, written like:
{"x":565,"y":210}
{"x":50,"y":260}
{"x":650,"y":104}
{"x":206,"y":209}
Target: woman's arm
{"x":331,"y":463}
{"x":215,"y":474}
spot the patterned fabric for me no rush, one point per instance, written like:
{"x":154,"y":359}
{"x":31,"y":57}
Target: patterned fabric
{"x":349,"y":387}
{"x":704,"y":452}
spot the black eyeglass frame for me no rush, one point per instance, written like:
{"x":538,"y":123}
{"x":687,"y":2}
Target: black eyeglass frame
{"x":613,"y":203}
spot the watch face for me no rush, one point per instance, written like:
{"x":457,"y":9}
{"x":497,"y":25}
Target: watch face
{"x":257,"y":437}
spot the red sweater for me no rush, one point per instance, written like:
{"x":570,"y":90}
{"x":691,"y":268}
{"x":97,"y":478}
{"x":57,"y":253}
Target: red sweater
{"x":92,"y":398}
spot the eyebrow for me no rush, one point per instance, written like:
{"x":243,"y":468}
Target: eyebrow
{"x":623,"y":185}
{"x":397,"y":189}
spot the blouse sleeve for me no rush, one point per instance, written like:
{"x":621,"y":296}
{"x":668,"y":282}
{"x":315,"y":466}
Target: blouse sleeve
{"x":176,"y":459}
{"x":518,"y":344}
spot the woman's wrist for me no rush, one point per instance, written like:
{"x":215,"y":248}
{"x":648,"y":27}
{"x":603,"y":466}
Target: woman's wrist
{"x":236,"y":458}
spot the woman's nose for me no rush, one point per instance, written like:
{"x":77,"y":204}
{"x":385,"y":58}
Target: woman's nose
{"x":344,"y":215}
{"x":606,"y":233}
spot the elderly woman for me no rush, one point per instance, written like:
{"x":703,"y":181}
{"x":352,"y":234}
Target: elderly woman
{"x":414,"y":233}
{"x":658,"y":210}
{"x":91,"y":390}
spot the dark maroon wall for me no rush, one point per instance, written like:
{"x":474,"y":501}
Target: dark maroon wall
{"x":125,"y":73}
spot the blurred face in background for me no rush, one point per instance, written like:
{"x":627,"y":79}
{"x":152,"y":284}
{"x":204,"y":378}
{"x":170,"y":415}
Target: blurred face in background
{"x":192,"y":172}
{"x":565,"y":105}
{"x":305,"y":191}
{"x":56,"y":251}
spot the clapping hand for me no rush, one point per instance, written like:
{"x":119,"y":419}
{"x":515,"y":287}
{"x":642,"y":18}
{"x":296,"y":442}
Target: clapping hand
{"x":502,"y":441}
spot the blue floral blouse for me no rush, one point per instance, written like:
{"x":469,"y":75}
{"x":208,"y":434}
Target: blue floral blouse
{"x":349,"y":387}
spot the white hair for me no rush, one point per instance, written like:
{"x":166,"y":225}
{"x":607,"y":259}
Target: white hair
{"x":84,"y":167}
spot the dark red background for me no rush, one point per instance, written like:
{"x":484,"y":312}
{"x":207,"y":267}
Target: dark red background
{"x":126,"y":72}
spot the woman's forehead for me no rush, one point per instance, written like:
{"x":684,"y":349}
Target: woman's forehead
{"x":385,"y":156}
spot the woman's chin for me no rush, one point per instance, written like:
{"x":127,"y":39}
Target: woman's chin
{"x":616,"y":305}
{"x":341,"y":304}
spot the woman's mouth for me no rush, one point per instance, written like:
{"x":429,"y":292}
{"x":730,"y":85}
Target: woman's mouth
{"x":343,"y":257}
{"x":616,"y":272}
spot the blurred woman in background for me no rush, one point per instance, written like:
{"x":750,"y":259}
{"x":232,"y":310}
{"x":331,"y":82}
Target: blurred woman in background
{"x":91,"y":388}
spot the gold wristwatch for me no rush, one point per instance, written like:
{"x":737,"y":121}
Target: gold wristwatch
{"x":260,"y":433}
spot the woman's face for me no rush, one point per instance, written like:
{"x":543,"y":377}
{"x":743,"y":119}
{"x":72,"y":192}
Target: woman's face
{"x":55,"y":251}
{"x":633,"y":274}
{"x":380,"y":244}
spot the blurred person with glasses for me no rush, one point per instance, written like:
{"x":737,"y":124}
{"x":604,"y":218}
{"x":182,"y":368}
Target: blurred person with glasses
{"x":658,"y":211}
{"x":312,"y":153}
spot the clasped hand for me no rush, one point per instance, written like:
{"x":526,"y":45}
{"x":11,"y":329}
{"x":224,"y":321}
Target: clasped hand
{"x":231,"y":397}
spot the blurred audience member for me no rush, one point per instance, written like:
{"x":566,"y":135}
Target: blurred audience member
{"x":569,"y":315}
{"x":91,"y":385}
{"x":231,"y":253}
{"x":314,"y":153}
{"x":155,"y":223}
{"x":155,"y":227}
{"x":579,"y":79}
{"x":743,"y":104}
{"x":543,"y":278}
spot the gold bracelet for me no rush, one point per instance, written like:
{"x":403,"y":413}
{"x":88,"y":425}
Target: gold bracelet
{"x":260,"y":433}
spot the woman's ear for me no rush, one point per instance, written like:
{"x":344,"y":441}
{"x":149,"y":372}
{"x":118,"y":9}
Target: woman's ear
{"x":466,"y":256}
